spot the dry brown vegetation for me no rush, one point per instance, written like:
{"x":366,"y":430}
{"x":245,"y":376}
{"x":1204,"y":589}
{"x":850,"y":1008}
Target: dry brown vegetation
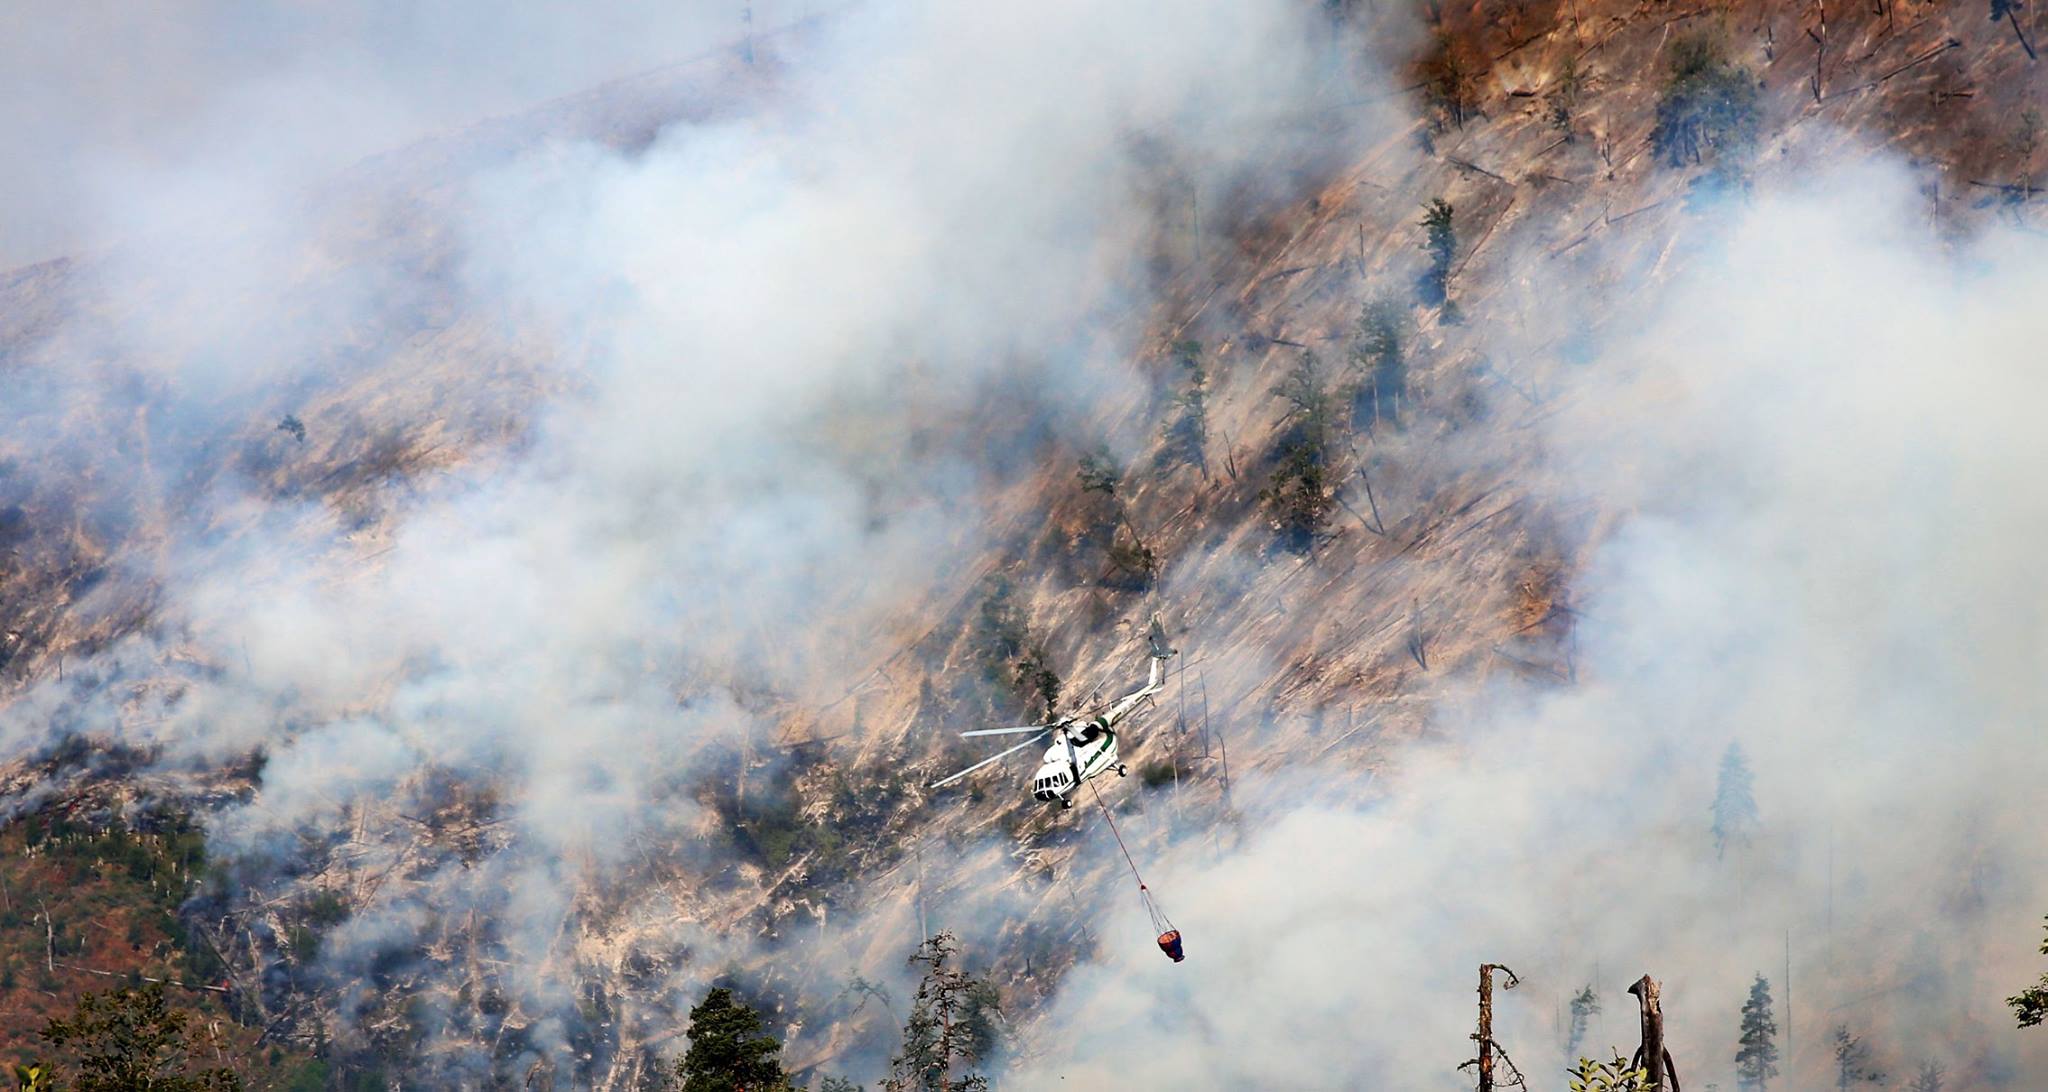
{"x":86,"y":904}
{"x":1430,"y":568}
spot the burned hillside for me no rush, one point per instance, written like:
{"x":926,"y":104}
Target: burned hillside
{"x":550,"y":563}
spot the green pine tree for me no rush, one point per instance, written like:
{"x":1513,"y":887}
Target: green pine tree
{"x":1302,"y":492}
{"x":1585,"y":1006}
{"x":1711,"y":109}
{"x":1735,"y":815}
{"x":1099,"y":472}
{"x":727,"y":1051}
{"x":1379,"y":352}
{"x":1441,"y":244}
{"x":952,"y":1026}
{"x":1853,"y":1062}
{"x":1756,"y":1054}
{"x":1008,"y":654}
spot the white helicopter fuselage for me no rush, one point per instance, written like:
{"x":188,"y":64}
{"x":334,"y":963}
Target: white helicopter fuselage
{"x":1080,"y":752}
{"x":1081,"y":749}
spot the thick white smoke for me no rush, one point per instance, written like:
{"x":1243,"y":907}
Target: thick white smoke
{"x":703,"y":398}
{"x":672,"y":427}
{"x":1823,"y":440}
{"x":127,"y":121}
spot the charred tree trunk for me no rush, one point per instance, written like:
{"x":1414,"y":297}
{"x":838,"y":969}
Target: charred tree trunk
{"x":1652,"y":1056}
{"x":1485,"y":1060}
{"x":1485,"y":1035}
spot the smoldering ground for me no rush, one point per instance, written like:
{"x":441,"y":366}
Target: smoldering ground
{"x":1822,"y":438}
{"x":737,"y":384}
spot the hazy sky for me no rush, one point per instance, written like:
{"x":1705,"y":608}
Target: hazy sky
{"x":106,"y":106}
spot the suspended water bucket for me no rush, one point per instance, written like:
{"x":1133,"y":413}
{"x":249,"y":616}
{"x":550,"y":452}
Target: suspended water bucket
{"x":1169,"y":937}
{"x":1169,"y":942}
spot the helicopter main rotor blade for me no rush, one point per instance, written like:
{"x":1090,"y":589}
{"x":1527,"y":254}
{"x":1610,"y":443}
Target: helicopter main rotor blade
{"x":979,"y":765}
{"x":1006,"y":731}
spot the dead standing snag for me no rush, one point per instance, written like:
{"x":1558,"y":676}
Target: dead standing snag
{"x":1652,"y":1056}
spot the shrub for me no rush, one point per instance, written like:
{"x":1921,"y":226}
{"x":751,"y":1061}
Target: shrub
{"x":1610,"y":1076}
{"x":1156,"y":774}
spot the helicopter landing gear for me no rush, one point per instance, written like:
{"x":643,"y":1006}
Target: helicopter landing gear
{"x":1122,"y":770}
{"x":1065,"y":803}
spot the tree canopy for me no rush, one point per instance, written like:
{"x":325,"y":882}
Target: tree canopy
{"x":1710,"y":108}
{"x":1854,"y":1063}
{"x":130,"y":1041}
{"x":1756,"y":1054}
{"x":1735,"y":814}
{"x":952,"y":1026}
{"x":727,"y":1051}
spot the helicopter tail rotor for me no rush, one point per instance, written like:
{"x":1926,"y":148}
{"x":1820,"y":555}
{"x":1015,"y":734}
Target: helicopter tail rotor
{"x":1156,"y":637}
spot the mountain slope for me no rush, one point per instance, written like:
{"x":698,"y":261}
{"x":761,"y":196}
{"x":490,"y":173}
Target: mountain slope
{"x":596,"y":639}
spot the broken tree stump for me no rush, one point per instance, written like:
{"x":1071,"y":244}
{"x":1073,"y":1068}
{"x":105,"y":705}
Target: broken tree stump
{"x":1652,"y":1056}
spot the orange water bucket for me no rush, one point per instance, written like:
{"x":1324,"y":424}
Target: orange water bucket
{"x":1169,"y":942}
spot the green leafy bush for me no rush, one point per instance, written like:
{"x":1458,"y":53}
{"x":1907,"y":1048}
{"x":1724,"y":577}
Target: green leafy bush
{"x":1611,"y":1076}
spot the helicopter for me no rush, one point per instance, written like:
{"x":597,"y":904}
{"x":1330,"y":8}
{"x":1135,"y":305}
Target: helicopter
{"x":1083,"y":747}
